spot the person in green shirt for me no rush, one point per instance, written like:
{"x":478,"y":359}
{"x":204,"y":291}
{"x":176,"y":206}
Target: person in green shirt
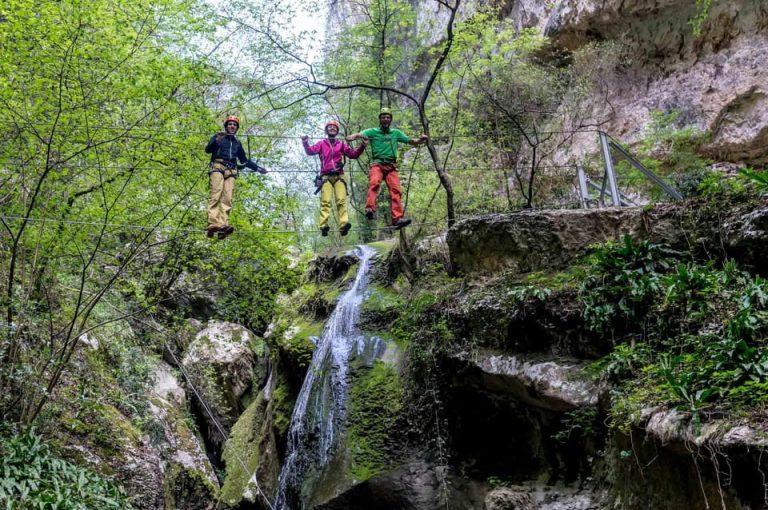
{"x":384,"y":140}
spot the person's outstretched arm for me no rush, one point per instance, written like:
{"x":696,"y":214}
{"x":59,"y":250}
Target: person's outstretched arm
{"x":354,"y":153}
{"x":311,"y":150}
{"x":249,"y":163}
{"x":418,"y":141}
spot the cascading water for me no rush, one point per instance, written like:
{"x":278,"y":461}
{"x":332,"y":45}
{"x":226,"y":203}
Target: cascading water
{"x":318,"y":416}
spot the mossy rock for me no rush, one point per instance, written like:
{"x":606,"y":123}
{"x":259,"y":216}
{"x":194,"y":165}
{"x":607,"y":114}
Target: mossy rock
{"x":351,"y":274}
{"x":316,"y":300}
{"x":375,"y":405}
{"x":383,"y":247}
{"x":296,"y":340}
{"x":381,"y":307}
{"x":241,"y":452}
{"x":188,"y":488}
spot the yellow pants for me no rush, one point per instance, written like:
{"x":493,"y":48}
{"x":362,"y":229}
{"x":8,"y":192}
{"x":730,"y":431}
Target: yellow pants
{"x":220,"y":202}
{"x":333,"y":185}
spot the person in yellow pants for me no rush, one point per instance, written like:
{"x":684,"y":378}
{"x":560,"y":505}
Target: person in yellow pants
{"x":225,"y":150}
{"x":334,"y":186}
{"x":332,"y":153}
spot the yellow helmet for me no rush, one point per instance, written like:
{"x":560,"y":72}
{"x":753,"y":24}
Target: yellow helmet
{"x":385,"y":111}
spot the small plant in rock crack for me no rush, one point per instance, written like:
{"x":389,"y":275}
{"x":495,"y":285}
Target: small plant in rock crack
{"x":520,"y":294}
{"x":578,"y":425}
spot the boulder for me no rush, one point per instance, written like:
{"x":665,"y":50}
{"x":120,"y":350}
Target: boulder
{"x":189,"y":480}
{"x":509,"y":498}
{"x":536,"y":240}
{"x":227,"y":364}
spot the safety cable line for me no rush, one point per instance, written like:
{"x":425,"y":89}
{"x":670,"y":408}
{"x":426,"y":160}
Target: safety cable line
{"x":127,"y":226}
{"x":481,"y":135}
{"x":468,"y":168}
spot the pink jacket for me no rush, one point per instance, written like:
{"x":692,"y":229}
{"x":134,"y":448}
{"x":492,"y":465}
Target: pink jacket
{"x":331,"y":155}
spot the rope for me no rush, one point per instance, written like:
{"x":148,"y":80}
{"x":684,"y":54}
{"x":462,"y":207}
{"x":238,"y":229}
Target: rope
{"x":479,"y":136}
{"x":414,"y":170}
{"x":128,"y":226}
{"x":408,"y":184}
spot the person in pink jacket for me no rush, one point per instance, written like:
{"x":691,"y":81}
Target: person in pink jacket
{"x":332,"y":153}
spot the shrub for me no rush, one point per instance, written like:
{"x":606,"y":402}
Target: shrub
{"x":33,"y":477}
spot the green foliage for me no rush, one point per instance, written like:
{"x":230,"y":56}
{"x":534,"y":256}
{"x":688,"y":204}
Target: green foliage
{"x":33,"y":477}
{"x":105,"y":107}
{"x":375,"y":403}
{"x":759,"y":178}
{"x":715,"y":184}
{"x":702,"y":14}
{"x":578,"y":425}
{"x":703,"y":330}
{"x":671,"y":149}
{"x":626,"y":277}
{"x":521,"y":293}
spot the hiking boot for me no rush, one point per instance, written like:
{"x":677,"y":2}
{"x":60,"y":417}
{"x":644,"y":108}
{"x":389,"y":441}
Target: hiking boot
{"x":344,"y":230}
{"x":211,"y":230}
{"x":401,"y":222}
{"x":225,"y":231}
{"x":324,"y":231}
{"x":369,"y":214}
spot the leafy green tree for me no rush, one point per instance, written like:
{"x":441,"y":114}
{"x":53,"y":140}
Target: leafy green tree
{"x":105,"y":107}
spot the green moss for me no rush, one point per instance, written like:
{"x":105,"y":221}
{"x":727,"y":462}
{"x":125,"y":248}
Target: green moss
{"x":188,"y":488}
{"x":351,"y":273}
{"x":383,"y":247}
{"x":294,"y":338}
{"x":556,"y":281}
{"x":258,"y":347}
{"x":241,"y":451}
{"x":375,"y":403}
{"x":382,"y":300}
{"x":283,"y":408}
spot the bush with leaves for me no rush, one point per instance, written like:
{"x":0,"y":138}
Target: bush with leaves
{"x":33,"y":477}
{"x":691,"y":336}
{"x":624,"y":280}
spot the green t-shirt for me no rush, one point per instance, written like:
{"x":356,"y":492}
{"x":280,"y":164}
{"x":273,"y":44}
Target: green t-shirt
{"x":384,"y":144}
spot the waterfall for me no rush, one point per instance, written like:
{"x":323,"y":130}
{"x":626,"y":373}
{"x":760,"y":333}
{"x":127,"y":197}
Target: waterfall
{"x":318,"y":416}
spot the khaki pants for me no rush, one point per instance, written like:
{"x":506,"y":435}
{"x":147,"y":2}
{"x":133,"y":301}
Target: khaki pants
{"x":333,"y":185}
{"x":220,"y":203}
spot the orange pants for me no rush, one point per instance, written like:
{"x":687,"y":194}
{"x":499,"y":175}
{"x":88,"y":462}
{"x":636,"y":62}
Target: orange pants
{"x":387,"y":172}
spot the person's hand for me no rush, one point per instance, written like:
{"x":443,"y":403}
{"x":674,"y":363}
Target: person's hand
{"x":423,"y":138}
{"x":219,"y":136}
{"x":352,"y":138}
{"x":304,"y":138}
{"x":365,"y":140}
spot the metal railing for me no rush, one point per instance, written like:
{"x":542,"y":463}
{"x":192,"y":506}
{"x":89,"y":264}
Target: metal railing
{"x":608,"y":188}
